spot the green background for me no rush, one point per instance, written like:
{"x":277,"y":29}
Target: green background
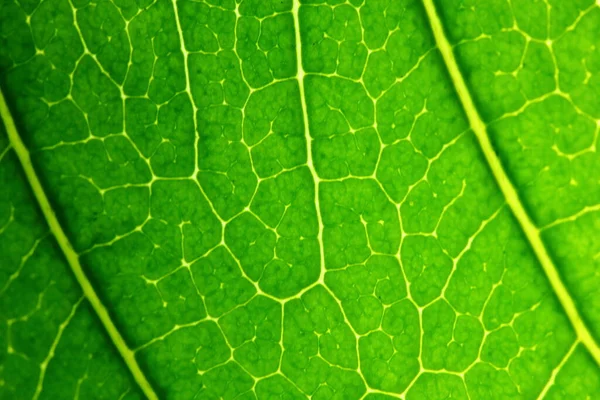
{"x":239,"y":260}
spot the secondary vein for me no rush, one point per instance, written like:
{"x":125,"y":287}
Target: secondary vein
{"x":309,"y":159}
{"x":510,"y":193}
{"x":71,"y":256}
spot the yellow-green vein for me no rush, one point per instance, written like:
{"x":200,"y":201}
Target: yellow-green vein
{"x":70,"y":254}
{"x":510,"y":193}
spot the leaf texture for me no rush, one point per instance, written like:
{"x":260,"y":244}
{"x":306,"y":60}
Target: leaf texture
{"x":277,"y":199}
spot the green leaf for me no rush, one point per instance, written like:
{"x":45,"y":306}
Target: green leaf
{"x":285,"y":199}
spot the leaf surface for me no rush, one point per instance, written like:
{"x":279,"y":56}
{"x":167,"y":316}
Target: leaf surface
{"x":254,"y":199}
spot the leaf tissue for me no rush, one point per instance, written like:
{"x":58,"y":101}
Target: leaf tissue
{"x":293,"y":199}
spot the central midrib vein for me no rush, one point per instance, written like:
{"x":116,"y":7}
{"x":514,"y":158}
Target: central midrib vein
{"x":71,"y":256}
{"x":510,"y":193}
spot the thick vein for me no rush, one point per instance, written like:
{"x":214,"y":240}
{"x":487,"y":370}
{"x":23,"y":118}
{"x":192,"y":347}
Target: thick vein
{"x":70,"y":254}
{"x":309,"y":160}
{"x":510,"y":193}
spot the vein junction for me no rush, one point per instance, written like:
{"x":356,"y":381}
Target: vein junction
{"x":291,"y":199}
{"x":532,"y":232}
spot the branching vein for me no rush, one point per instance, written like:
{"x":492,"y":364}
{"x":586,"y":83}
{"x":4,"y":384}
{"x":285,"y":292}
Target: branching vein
{"x":70,"y":254}
{"x":532,"y":232}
